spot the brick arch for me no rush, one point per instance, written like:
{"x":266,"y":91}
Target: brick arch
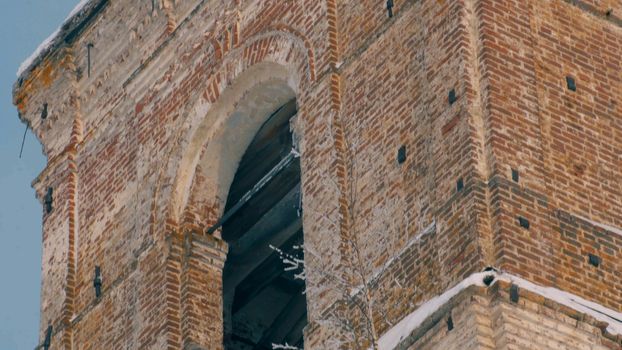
{"x":259,"y":39}
{"x":269,"y":55}
{"x":272,"y":58}
{"x":282,"y":29}
{"x":211,"y":121}
{"x":205,"y":168}
{"x":220,"y":145}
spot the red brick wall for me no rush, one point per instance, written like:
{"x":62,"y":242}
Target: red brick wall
{"x":565,"y":144}
{"x":131,"y":154}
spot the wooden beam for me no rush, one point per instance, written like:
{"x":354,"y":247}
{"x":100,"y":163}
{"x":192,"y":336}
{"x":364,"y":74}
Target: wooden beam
{"x":253,"y":248}
{"x":274,"y":227}
{"x":286,"y":170}
{"x":295,"y":335}
{"x":262,"y":276}
{"x":271,"y":143}
{"x":259,"y":204}
{"x":284,"y":322}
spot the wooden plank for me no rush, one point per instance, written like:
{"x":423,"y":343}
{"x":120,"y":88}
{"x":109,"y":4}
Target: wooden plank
{"x":263,"y":276}
{"x":282,"y":326}
{"x":260,"y":204}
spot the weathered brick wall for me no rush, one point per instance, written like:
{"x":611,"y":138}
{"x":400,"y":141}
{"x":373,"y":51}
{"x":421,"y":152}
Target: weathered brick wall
{"x":488,"y":319}
{"x":565,"y":144}
{"x":55,"y":251}
{"x":142,"y":148}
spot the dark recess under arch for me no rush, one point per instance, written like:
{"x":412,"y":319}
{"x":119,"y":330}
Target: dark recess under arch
{"x":263,"y":303}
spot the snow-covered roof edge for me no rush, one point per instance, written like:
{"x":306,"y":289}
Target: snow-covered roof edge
{"x":82,"y":14}
{"x":394,"y":336}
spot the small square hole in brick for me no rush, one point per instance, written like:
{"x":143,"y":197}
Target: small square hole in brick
{"x":452,"y":96}
{"x":44,"y":111}
{"x":514,"y":296}
{"x":401,"y":155}
{"x":450,"y":323}
{"x":460,"y":185}
{"x":572,"y":85}
{"x":48,"y":200}
{"x":515,"y":176}
{"x":524,"y":223}
{"x":48,"y":338}
{"x":390,"y":8}
{"x":594,"y":260}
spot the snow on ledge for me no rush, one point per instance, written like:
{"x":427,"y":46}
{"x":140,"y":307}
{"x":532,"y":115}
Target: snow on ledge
{"x":50,"y":40}
{"x":600,"y":224}
{"x":408,"y":324}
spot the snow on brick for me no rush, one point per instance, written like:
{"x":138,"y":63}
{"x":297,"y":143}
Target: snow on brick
{"x":601,"y":225}
{"x":411,"y":322}
{"x":49,"y":42}
{"x":408,"y":324}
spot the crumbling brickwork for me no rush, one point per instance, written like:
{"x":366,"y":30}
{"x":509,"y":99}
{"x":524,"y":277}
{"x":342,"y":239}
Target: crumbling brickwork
{"x":151,"y":105}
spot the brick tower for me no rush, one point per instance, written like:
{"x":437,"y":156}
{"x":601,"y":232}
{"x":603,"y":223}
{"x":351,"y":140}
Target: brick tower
{"x":330,"y":174}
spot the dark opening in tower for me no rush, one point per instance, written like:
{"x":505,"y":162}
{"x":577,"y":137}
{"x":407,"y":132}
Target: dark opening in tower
{"x":263,"y":296}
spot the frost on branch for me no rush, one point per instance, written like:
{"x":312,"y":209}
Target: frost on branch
{"x":293,"y":262}
{"x":284,"y":347}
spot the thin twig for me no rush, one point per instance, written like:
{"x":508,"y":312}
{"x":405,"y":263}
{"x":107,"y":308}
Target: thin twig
{"x":23,"y":141}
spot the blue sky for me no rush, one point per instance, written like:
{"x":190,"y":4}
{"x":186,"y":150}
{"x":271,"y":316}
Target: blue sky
{"x":24,"y":24}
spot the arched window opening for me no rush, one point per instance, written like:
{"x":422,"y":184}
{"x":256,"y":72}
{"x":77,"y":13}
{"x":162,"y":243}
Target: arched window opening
{"x":263,"y":302}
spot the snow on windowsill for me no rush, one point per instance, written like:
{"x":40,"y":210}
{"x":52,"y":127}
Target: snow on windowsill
{"x":50,"y":40}
{"x":408,"y":324}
